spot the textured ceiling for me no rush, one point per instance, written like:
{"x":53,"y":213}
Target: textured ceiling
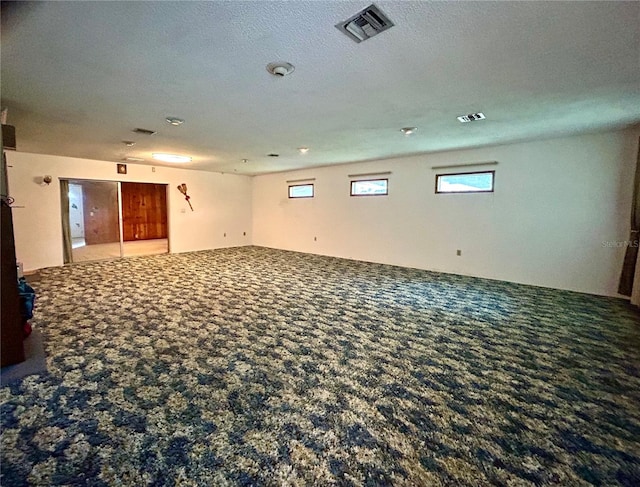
{"x":77,"y":77}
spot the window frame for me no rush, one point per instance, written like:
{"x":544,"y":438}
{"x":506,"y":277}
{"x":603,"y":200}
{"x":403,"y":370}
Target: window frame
{"x":313,"y":191}
{"x":493,"y":182}
{"x":352,"y":181}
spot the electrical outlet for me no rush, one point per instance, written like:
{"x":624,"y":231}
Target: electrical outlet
{"x":458,"y":252}
{"x":153,"y":169}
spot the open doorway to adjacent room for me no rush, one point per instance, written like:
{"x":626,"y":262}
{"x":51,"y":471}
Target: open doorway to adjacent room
{"x":108,"y":219}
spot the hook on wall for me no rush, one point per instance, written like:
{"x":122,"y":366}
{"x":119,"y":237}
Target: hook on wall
{"x":183,"y":189}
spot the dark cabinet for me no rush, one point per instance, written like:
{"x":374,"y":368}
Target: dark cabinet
{"x":11,"y":340}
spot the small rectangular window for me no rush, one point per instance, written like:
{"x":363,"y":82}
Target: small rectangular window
{"x":465,"y":182}
{"x":370,"y":187}
{"x":301,"y":191}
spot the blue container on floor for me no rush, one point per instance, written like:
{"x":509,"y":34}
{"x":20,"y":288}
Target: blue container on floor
{"x":27,"y":299}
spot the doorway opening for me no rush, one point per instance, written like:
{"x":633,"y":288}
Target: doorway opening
{"x":76,"y":215}
{"x":107,"y":219}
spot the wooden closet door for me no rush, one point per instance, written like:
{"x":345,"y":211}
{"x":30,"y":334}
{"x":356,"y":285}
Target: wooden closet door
{"x":144,"y":211}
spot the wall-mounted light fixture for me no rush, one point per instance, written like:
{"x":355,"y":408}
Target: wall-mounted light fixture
{"x":43,"y":180}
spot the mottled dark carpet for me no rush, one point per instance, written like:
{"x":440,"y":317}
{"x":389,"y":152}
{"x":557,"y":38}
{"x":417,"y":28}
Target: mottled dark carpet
{"x":252,"y":366}
{"x":34,"y":363}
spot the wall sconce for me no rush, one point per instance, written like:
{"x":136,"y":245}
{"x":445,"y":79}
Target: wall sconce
{"x":43,"y":180}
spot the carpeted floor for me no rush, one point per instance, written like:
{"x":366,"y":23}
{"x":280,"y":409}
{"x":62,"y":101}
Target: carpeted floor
{"x":252,"y":366}
{"x":34,"y":363}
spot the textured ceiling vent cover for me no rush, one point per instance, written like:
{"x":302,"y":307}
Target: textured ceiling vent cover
{"x":472,"y":117}
{"x":144,"y":131}
{"x":365,"y":24}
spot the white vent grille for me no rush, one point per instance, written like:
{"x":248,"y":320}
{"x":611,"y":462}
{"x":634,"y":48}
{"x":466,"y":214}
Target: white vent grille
{"x":365,"y":24}
{"x":472,"y":117}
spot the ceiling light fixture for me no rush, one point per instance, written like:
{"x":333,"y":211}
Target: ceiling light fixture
{"x":245,"y":160}
{"x":133,"y":159}
{"x":408,"y":130}
{"x":303,"y":150}
{"x":174,"y":121}
{"x":170,"y":157}
{"x":129,"y":143}
{"x":280,"y":68}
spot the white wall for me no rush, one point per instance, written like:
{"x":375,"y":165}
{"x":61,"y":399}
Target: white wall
{"x":555,"y":203}
{"x":222,"y":204}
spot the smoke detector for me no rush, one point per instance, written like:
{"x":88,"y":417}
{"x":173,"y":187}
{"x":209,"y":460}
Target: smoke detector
{"x":280,"y":68}
{"x":472,"y":117}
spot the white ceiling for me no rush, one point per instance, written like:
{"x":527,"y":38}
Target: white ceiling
{"x":77,"y":77}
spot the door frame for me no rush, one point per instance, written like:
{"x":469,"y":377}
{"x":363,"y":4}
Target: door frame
{"x":70,"y":180}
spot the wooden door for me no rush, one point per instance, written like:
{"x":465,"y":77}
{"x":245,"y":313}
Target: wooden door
{"x":144,"y":211}
{"x":100,"y":207}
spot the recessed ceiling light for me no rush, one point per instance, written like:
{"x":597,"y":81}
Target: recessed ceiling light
{"x":472,"y":117}
{"x":245,"y":160}
{"x":408,"y":130}
{"x":129,"y":143}
{"x":303,"y":150}
{"x":280,"y":68}
{"x":133,"y":159}
{"x":174,"y":121}
{"x":170,"y":157}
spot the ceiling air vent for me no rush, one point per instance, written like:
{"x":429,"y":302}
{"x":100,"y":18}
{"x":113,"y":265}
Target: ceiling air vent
{"x":365,"y":24}
{"x":472,"y":117}
{"x":144,"y":131}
